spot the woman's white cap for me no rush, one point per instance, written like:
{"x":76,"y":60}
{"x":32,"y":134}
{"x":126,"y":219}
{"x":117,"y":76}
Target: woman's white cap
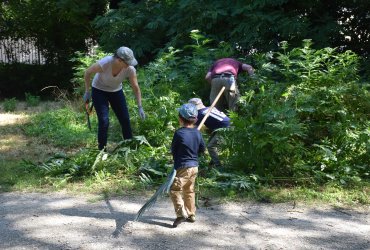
{"x":126,"y":55}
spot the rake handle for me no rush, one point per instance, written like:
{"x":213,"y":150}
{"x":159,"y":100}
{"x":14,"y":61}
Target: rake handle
{"x":210,"y":108}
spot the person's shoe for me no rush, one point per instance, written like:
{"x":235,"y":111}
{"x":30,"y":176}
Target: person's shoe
{"x":178,"y":221}
{"x":191,"y":219}
{"x":216,"y":165}
{"x":202,"y":173}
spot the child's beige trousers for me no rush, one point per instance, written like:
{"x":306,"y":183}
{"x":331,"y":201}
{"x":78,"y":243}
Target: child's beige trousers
{"x":182,"y":191}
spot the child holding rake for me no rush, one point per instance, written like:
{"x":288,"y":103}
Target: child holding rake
{"x":187,"y":144}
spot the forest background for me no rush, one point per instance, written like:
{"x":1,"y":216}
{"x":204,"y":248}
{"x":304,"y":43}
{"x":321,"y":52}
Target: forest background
{"x":302,"y":122}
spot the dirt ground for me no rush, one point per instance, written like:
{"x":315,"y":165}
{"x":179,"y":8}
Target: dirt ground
{"x":61,"y":221}
{"x":64,"y":221}
{"x":13,"y":143}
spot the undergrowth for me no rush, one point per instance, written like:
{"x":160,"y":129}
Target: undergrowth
{"x":301,"y":131}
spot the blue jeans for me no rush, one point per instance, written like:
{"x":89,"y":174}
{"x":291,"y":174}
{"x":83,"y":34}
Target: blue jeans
{"x":101,"y":100}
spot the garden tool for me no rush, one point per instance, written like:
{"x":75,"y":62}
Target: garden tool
{"x":88,"y":110}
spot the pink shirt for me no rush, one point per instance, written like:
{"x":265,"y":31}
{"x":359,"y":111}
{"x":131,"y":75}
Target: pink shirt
{"x":226,"y":65}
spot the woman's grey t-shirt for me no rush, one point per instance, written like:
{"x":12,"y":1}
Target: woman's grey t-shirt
{"x":106,"y":81}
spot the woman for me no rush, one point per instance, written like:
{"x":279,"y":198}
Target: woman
{"x":106,"y":89}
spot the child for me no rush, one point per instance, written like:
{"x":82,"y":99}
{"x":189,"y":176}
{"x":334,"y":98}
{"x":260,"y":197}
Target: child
{"x":187,"y":144}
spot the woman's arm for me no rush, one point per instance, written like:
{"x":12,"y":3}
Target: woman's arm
{"x":248,"y":68}
{"x":208,"y":77}
{"x":92,"y":70}
{"x":135,"y":87}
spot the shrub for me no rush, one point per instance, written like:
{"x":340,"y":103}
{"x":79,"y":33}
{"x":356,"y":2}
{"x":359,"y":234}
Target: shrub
{"x":302,"y":119}
{"x":10,"y":104}
{"x":32,"y":100}
{"x":305,"y":117}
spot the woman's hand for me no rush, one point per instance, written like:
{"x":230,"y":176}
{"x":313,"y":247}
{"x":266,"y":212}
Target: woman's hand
{"x":141,"y":112}
{"x":87,"y":96}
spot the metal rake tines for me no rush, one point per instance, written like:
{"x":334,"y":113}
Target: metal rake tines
{"x":164,"y":188}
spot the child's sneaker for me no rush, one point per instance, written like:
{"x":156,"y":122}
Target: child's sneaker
{"x":178,"y":221}
{"x":191,"y":219}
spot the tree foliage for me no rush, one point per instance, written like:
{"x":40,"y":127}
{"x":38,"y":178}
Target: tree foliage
{"x":149,"y":26}
{"x":59,"y":27}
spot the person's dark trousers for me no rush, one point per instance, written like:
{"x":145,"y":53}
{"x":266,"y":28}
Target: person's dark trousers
{"x":101,"y":100}
{"x":212,"y":145}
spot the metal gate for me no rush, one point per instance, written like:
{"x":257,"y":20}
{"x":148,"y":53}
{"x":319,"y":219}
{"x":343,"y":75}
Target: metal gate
{"x":20,"y":51}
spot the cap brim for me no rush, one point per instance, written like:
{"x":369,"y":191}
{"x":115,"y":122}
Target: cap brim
{"x":133,"y":62}
{"x":200,"y":106}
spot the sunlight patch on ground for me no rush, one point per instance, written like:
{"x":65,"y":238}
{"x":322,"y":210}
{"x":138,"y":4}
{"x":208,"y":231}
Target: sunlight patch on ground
{"x":12,"y":142}
{"x":7,"y":141}
{"x":11,"y":119}
{"x":14,"y":145}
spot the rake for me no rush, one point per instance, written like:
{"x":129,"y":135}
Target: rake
{"x":165,"y":187}
{"x":88,"y":111}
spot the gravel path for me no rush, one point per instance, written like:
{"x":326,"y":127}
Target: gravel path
{"x":61,"y":221}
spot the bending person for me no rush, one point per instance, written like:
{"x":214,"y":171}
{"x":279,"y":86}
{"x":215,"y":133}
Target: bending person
{"x":214,"y":121}
{"x":224,"y":72}
{"x":106,"y":90}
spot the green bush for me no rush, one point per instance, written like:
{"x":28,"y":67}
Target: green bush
{"x":10,"y":104}
{"x":305,"y":118}
{"x":302,"y":119}
{"x":32,"y":100}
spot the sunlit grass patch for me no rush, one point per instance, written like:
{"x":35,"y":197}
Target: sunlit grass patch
{"x":62,"y":127}
{"x":331,"y":194}
{"x":15,"y":176}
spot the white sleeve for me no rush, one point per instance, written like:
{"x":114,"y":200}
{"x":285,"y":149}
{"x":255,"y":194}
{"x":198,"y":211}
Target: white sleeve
{"x":131,"y":71}
{"x":104,"y":62}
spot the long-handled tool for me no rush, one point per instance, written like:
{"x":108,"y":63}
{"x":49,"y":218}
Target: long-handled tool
{"x":165,"y":187}
{"x":88,"y":111}
{"x":211,"y":107}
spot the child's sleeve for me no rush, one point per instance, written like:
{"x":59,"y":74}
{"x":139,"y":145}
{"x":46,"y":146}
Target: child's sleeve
{"x":202,"y":145}
{"x":173,"y":144}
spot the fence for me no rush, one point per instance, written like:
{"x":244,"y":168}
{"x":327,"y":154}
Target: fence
{"x":21,"y":51}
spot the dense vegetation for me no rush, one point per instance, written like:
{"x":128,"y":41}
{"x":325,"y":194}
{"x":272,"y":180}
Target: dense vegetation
{"x":62,"y":27}
{"x":149,"y":26}
{"x":59,"y":29}
{"x":303,"y":119}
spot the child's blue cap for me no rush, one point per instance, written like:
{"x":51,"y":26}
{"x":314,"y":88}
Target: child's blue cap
{"x":188,"y":111}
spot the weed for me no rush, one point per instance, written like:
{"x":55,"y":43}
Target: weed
{"x":62,"y":128}
{"x":9,"y":105}
{"x":32,"y":100}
